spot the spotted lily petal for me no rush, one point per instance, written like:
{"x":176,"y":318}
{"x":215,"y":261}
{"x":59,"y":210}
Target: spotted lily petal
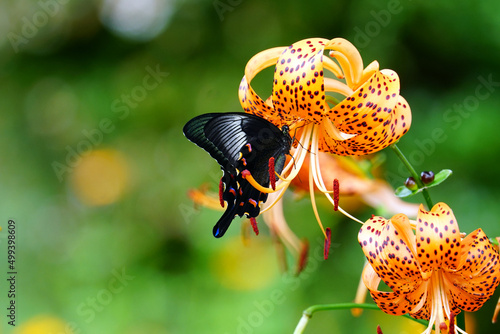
{"x":368,"y":105}
{"x":299,"y":90}
{"x":438,"y":239}
{"x":388,"y":246}
{"x":477,"y":273}
{"x":250,"y":101}
{"x":372,"y":118}
{"x":392,"y":302}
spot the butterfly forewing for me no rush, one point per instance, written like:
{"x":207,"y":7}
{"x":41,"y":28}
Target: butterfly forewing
{"x":194,"y":130}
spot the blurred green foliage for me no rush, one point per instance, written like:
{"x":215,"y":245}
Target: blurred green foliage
{"x":64,"y":72}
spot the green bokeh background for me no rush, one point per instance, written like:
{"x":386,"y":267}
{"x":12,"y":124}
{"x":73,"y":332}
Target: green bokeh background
{"x":66,"y":78}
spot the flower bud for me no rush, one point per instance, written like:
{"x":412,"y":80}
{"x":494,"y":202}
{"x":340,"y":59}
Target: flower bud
{"x":427,"y":177}
{"x":411,"y":184}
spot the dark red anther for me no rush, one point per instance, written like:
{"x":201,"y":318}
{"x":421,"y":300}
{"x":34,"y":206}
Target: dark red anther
{"x":272,"y":173}
{"x":221,"y":190}
{"x":379,"y":330}
{"x":328,"y":242}
{"x":253,"y":222}
{"x":452,"y":323}
{"x":245,"y":173}
{"x":304,"y":251}
{"x":336,"y":193}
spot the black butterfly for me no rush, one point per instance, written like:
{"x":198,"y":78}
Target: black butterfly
{"x":240,"y":141}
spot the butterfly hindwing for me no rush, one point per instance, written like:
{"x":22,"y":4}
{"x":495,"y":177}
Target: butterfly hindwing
{"x":240,"y":141}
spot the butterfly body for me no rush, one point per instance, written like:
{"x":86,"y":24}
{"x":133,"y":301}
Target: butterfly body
{"x":239,"y":142}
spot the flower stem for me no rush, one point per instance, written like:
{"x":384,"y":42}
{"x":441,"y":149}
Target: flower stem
{"x":307,"y":314}
{"x":460,"y":320}
{"x":414,"y":174}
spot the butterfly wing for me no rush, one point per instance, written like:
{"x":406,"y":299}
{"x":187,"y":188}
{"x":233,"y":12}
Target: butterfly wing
{"x":240,"y":141}
{"x":194,"y":130}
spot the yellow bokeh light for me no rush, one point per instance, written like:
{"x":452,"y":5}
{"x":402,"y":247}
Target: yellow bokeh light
{"x":245,"y":266}
{"x":101,"y":177}
{"x":43,"y":324}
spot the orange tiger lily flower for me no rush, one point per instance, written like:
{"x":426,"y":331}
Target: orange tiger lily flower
{"x":370,"y":116}
{"x":433,"y":273}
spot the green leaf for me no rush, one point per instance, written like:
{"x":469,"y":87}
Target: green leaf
{"x":439,"y":178}
{"x":402,"y":192}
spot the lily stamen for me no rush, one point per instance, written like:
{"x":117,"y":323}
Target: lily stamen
{"x":304,"y":251}
{"x":328,"y":241}
{"x":336,"y":193}
{"x":272,"y":173}
{"x":253,"y":222}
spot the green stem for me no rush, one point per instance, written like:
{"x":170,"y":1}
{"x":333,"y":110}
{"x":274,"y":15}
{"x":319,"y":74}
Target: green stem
{"x":414,"y":174}
{"x":330,"y":307}
{"x":307,"y":314}
{"x":460,"y":318}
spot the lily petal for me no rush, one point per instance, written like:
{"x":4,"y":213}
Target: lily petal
{"x":389,"y":302}
{"x":349,"y":59}
{"x":298,"y":89}
{"x":478,"y":256}
{"x":475,"y":280}
{"x":438,"y":239}
{"x":387,"y":246}
{"x":250,"y":101}
{"x":373,"y":127}
{"x":369,"y":106}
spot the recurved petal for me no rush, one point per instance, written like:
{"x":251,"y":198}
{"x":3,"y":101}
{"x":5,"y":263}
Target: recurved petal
{"x":387,"y":246}
{"x":375,"y":138}
{"x":298,"y":89}
{"x":367,"y":73}
{"x":372,"y":140}
{"x":389,"y":302}
{"x":478,"y":257}
{"x":250,"y":101}
{"x":369,"y":106}
{"x":438,"y":239}
{"x":478,"y":273}
{"x":400,"y":121}
{"x":349,"y":59}
{"x":456,"y":288}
